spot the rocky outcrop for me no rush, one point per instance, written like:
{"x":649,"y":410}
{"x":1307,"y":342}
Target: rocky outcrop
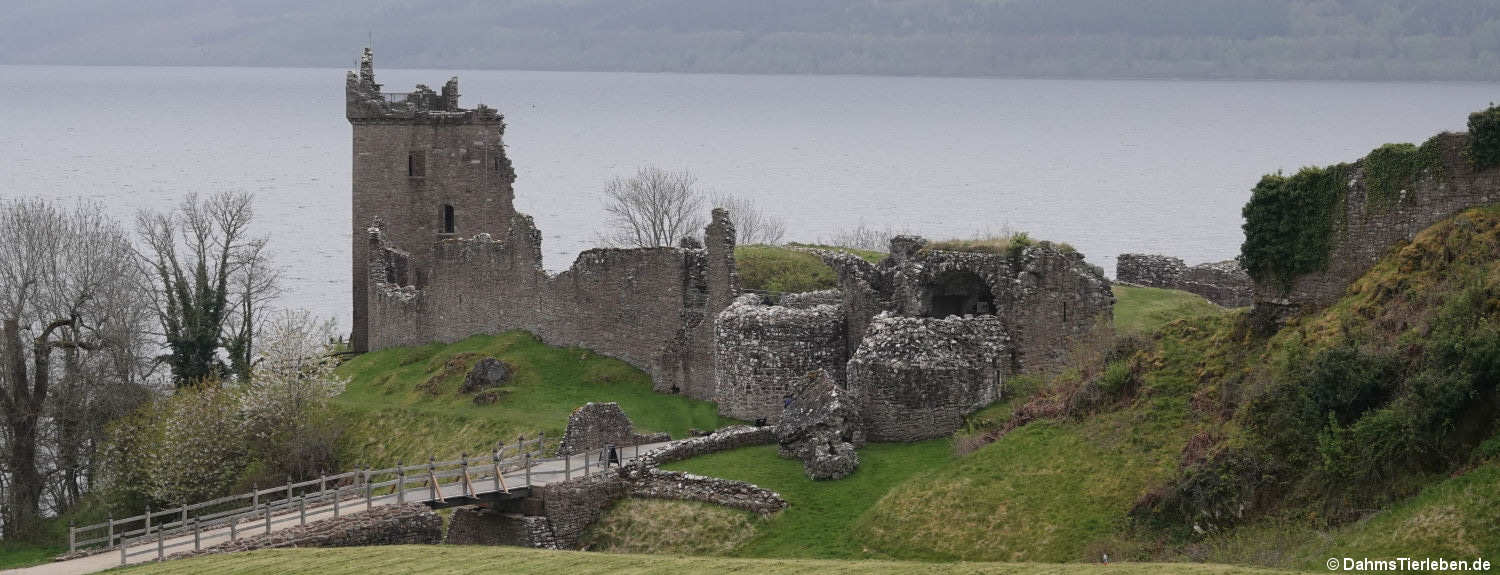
{"x":488,"y":372}
{"x":598,"y":425}
{"x":821,"y":425}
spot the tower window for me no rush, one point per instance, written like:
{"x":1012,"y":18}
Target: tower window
{"x":416,"y":164}
{"x":448,"y":226}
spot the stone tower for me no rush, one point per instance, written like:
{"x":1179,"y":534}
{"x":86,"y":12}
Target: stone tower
{"x":426,"y":170}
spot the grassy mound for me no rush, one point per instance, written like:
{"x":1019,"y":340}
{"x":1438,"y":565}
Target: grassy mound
{"x":670,"y":527}
{"x":784,"y":269}
{"x":1144,"y":309}
{"x":404,"y":404}
{"x":819,"y":522}
{"x":418,"y":559}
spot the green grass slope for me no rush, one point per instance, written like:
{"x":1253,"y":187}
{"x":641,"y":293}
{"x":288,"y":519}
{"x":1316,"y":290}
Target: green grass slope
{"x":404,"y":404}
{"x":1078,"y":482}
{"x":421,"y":559}
{"x":1144,"y":309}
{"x":819,"y":522}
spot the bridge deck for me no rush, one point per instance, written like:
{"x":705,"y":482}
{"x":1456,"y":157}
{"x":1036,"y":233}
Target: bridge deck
{"x":542,"y":473}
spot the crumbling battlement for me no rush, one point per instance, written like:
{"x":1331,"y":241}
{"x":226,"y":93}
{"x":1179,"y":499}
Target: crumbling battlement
{"x":917,"y":377}
{"x":763,"y":351}
{"x":1224,"y":283}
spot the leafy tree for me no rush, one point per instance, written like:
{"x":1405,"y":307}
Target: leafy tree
{"x":212,"y":280}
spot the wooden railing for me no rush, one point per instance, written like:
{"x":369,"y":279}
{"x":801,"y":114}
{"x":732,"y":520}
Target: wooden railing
{"x":259,"y":508}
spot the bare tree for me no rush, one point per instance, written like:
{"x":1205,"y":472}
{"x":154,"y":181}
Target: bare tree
{"x":209,"y":270}
{"x":60,"y":278}
{"x":751,"y":225}
{"x":864,"y":237}
{"x":653,"y":208}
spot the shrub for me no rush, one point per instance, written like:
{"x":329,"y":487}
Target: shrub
{"x":1484,"y":137}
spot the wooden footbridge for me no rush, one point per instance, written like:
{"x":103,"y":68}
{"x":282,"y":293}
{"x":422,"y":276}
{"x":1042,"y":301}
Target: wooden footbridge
{"x":508,"y":472}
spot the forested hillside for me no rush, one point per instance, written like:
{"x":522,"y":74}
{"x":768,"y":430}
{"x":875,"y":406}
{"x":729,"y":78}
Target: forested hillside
{"x":1303,"y":39}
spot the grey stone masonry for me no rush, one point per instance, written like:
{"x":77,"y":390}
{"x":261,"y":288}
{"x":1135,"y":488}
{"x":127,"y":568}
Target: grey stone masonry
{"x":732,"y":437}
{"x":595,"y":426}
{"x":440,"y":253}
{"x":918,"y":377}
{"x":822,"y":426}
{"x":765,"y":351}
{"x":652,"y":483}
{"x":1224,"y":283}
{"x":480,"y":526}
{"x":410,"y":524}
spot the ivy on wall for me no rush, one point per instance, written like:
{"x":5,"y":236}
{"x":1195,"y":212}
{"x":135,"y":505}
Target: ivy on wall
{"x":1484,"y":137}
{"x":1289,"y":223}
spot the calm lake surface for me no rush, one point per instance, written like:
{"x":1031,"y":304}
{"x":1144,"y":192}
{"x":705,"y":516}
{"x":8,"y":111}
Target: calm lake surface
{"x":1108,"y":166}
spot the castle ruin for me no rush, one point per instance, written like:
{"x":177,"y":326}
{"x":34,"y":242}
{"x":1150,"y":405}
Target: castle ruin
{"x":923,"y":338}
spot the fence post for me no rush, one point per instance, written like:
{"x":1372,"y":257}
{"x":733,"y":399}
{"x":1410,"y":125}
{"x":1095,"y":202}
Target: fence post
{"x":71,"y":546}
{"x":254,"y":496}
{"x":122,"y":550}
{"x":495,"y":461}
{"x":184,"y":514}
{"x":302,"y":509}
{"x":541,"y":446}
{"x":400,"y":483}
{"x":288,"y":489}
{"x":148,"y":522}
{"x":432,"y":488}
{"x":110,"y":535}
{"x":567,"y":467}
{"x":338,"y":493}
{"x":528,"y":470}
{"x":369,"y":491}
{"x":234,"y":527}
{"x":268,"y":518}
{"x":197,"y":538}
{"x":520,"y":444}
{"x":322,"y":482}
{"x":161,"y":549}
{"x":463,"y":462}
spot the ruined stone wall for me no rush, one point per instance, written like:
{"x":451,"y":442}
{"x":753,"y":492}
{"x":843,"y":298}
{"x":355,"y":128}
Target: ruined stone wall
{"x":732,"y":437}
{"x":409,"y":524}
{"x":573,"y":505}
{"x":1366,"y":232}
{"x":654,"y":483}
{"x":650,"y":307}
{"x":766,"y":351}
{"x":479,"y":526}
{"x":1224,"y":283}
{"x":597,"y":425}
{"x":918,"y":377}
{"x":1046,"y":297}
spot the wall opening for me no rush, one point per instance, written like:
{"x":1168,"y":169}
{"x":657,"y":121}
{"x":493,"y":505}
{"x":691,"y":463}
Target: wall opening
{"x":416,"y":164}
{"x":958,"y":293}
{"x":448,"y":224}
